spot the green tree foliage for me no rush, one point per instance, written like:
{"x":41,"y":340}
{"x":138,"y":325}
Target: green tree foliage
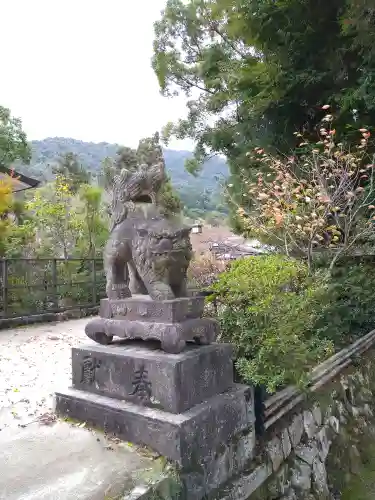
{"x":13,"y":147}
{"x":13,"y":142}
{"x":67,"y":224}
{"x":322,"y":199}
{"x":98,"y":159}
{"x":358,"y":22}
{"x":202,"y":204}
{"x":55,"y":216}
{"x":5,"y":206}
{"x":269,"y":307}
{"x":349,"y":312}
{"x":255,"y":71}
{"x":70,"y":168}
{"x":95,"y":224}
{"x":170,"y":199}
{"x":283,"y":319}
{"x":92,"y":155}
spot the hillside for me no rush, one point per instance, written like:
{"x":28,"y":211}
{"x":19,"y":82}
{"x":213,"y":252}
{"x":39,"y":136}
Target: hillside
{"x":92,"y":154}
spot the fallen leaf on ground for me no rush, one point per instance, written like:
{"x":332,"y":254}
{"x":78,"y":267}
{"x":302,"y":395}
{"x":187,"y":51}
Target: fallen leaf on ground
{"x":47,"y":418}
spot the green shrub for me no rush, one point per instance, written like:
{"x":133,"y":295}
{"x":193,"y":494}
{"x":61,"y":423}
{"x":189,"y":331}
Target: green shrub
{"x":350,"y":312}
{"x":270,"y":306}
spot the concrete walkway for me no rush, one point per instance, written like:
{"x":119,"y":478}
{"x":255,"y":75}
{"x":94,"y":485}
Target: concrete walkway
{"x":42,"y":458}
{"x":34,"y":363}
{"x":65,"y":462}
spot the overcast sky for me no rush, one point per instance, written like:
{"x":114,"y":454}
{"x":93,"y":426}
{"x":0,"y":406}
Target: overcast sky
{"x":81,"y":69}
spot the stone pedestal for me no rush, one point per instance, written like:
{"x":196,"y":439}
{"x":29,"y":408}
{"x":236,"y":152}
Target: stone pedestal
{"x":172,"y":322}
{"x":182,"y":437}
{"x":184,"y":406}
{"x":173,"y":396}
{"x":147,"y":376}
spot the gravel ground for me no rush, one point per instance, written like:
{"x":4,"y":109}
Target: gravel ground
{"x":34,"y":363}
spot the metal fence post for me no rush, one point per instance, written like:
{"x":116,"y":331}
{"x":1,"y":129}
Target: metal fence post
{"x":259,"y":398}
{"x":54,"y":284}
{"x":44,"y":288}
{"x":5,"y":286}
{"x":93,"y":269}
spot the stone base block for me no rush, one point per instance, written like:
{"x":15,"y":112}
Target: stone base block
{"x":187,"y":438}
{"x":173,"y":336}
{"x":145,"y":375}
{"x":143,"y":308}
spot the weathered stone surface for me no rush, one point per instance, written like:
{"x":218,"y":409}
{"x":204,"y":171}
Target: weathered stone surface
{"x":280,"y":483}
{"x":328,"y":413}
{"x":334,"y":424}
{"x":145,"y":375}
{"x":184,"y":438}
{"x":323,"y":444}
{"x":172,"y":336}
{"x":210,"y":474}
{"x":143,"y":308}
{"x":367,"y":411}
{"x":166,"y":487}
{"x":342,"y":412}
{"x":307,"y":452}
{"x":146,"y":260}
{"x":285,"y":443}
{"x":194,"y":485}
{"x":242,"y":487}
{"x":244,"y":449}
{"x":309,"y":423}
{"x":317,"y":414}
{"x":275,"y":452}
{"x":296,"y":429}
{"x":147,"y":252}
{"x":354,"y":459}
{"x":319,"y":475}
{"x":283,"y":479}
{"x":289,"y":496}
{"x":326,"y":455}
{"x":301,"y":475}
{"x":214,"y":472}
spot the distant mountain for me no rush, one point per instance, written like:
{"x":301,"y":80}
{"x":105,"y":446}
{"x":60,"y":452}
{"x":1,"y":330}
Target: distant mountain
{"x":91,"y":154}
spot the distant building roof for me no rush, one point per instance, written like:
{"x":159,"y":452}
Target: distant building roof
{"x":197,"y":227}
{"x":229,"y":250}
{"x":19,"y":181}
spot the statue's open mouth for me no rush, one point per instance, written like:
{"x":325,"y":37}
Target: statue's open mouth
{"x":169,"y":252}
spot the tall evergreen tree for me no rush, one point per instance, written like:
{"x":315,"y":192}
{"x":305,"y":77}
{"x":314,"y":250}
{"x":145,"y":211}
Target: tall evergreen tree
{"x":255,"y":71}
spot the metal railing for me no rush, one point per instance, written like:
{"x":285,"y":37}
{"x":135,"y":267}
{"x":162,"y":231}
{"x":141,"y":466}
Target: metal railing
{"x":269,"y":409}
{"x":31,"y":287}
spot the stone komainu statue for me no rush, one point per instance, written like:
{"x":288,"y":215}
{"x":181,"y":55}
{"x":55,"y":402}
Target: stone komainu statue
{"x":146,"y":253}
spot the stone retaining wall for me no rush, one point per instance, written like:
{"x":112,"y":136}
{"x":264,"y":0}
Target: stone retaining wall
{"x":322,"y":449}
{"x":316,"y":444}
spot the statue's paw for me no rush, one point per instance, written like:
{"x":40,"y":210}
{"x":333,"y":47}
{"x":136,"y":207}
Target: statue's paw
{"x":95,"y":330}
{"x":162,"y":294}
{"x":119,"y":292}
{"x":173,"y":345}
